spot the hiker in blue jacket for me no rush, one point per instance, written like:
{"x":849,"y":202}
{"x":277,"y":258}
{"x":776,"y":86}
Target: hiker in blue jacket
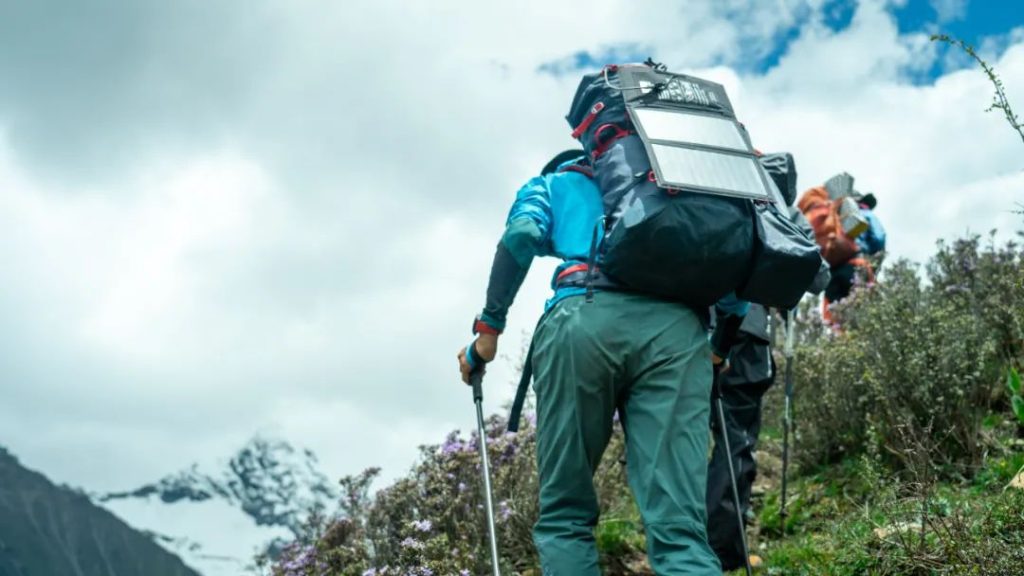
{"x":871,"y":243}
{"x":595,"y":354}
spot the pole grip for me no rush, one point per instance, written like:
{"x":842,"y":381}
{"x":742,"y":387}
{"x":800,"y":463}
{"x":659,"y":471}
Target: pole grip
{"x":476,"y":372}
{"x":476,"y":380}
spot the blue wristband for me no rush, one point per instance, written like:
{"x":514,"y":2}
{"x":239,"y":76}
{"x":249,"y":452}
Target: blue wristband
{"x":471,"y":358}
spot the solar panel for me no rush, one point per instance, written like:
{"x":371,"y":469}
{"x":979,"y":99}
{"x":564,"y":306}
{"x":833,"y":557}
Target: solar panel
{"x":705,"y":170}
{"x":698,"y":129}
{"x":700,"y":152}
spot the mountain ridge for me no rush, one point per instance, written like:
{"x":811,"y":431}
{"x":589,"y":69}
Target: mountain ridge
{"x":220,"y":515}
{"x":274,"y":483}
{"x":50,"y":529}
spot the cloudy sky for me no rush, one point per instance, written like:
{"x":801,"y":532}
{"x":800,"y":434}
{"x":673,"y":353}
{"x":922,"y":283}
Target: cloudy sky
{"x":227,"y":218}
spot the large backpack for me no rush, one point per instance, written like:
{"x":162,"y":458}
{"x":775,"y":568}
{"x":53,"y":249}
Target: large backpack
{"x":833,"y":213}
{"x":689,"y":213}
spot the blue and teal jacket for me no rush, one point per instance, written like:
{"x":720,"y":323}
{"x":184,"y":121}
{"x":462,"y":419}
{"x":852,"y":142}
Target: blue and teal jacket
{"x":872,"y":240}
{"x":558,"y":215}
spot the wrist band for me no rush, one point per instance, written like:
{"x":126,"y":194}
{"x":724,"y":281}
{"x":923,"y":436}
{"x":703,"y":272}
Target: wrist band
{"x":481,"y":327}
{"x":471,"y":357}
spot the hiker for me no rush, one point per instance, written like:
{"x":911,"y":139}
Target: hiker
{"x":750,"y":372}
{"x":665,"y":213}
{"x":850,"y":234}
{"x":645,"y":357}
{"x":870,"y":251}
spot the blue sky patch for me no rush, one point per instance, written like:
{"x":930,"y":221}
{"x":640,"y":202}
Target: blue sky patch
{"x":779,"y":49}
{"x":975,"y":22}
{"x":980,"y":18}
{"x":838,"y":14}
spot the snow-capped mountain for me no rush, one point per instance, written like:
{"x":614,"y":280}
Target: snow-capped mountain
{"x":218,"y":517}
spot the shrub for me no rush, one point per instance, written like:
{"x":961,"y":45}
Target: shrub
{"x":915,"y":360}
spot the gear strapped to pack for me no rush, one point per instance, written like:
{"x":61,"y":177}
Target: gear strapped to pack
{"x":833,"y":210}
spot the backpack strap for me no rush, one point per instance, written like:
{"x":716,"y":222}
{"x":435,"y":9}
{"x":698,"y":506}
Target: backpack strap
{"x":521,"y":390}
{"x":604,"y":143}
{"x":579,"y":168}
{"x":588,"y":120}
{"x":524,"y":383}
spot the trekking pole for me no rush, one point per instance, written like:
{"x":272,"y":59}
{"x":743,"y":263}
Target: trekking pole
{"x":476,"y":378}
{"x":717,"y":395}
{"x":787,"y":418}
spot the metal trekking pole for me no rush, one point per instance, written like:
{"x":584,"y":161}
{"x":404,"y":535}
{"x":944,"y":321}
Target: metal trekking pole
{"x":716,"y":394}
{"x":476,"y":378}
{"x":787,"y":417}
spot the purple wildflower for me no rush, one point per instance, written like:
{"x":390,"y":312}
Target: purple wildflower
{"x":453,"y":445}
{"x":301,"y":561}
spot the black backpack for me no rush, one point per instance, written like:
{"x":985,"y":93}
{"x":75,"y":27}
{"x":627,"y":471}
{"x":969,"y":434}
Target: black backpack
{"x":690,"y":214}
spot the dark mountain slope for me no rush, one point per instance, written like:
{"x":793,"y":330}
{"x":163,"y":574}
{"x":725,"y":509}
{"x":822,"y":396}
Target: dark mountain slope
{"x":48,"y":530}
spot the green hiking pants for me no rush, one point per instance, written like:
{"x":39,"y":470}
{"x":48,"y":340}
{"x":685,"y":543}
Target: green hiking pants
{"x":651,"y":360}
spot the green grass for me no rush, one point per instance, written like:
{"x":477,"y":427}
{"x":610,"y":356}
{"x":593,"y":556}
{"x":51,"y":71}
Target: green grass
{"x":973,"y":527}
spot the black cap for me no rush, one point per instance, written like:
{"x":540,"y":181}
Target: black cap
{"x":559,"y":159}
{"x":867,"y":199}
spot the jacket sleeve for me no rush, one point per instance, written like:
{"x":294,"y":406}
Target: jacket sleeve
{"x":526,"y":234}
{"x":731,"y":304}
{"x":729,"y":314}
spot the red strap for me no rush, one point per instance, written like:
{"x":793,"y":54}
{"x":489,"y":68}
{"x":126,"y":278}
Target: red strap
{"x":588,"y":172}
{"x":619,"y":133}
{"x":571,"y":270}
{"x":481,"y":327}
{"x":588,"y":120}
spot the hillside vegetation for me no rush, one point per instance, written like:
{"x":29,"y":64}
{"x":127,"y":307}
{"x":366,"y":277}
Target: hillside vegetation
{"x":906,"y":447}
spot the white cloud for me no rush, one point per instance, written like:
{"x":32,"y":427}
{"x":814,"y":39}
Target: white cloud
{"x":285,"y":224}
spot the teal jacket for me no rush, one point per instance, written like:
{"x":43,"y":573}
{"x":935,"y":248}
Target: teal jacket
{"x":558,"y":215}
